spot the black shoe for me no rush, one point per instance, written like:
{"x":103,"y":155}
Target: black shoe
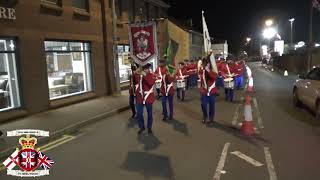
{"x":1,"y":133}
{"x":141,"y":130}
{"x":133,"y":116}
{"x":164,"y":118}
{"x":150,"y":131}
{"x":170,"y":118}
{"x":203,"y":121}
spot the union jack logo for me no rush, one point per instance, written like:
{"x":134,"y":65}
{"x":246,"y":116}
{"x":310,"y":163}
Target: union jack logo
{"x":28,"y":160}
{"x":44,"y":161}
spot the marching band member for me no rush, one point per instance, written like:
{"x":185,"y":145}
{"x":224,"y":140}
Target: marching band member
{"x":167,"y":91}
{"x":207,"y":91}
{"x":145,"y":97}
{"x":180,"y":76}
{"x":159,"y":72}
{"x":227,"y":73}
{"x":240,"y":71}
{"x":192,"y":71}
{"x":133,"y":89}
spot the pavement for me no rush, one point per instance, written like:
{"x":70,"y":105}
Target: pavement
{"x":285,"y":146}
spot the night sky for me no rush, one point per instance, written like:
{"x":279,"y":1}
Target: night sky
{"x":234,"y":20}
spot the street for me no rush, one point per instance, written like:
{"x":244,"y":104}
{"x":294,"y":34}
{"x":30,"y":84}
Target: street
{"x":285,"y":147}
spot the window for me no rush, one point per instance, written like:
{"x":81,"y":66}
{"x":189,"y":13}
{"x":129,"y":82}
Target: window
{"x":118,"y":5}
{"x":54,"y":2}
{"x":314,"y":74}
{"x":124,"y":62}
{"x":68,"y":67}
{"x":9,"y":85}
{"x":81,"y":4}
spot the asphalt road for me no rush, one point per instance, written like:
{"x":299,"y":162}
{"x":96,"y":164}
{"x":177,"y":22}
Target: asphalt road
{"x":286,"y":146}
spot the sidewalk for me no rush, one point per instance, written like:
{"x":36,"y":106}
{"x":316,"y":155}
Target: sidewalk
{"x":63,"y":120}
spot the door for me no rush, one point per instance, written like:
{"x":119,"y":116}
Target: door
{"x":312,"y":86}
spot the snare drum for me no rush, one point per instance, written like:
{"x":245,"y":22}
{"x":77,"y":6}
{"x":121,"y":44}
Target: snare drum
{"x":229,"y":83}
{"x":181,"y":83}
{"x":158,"y":84}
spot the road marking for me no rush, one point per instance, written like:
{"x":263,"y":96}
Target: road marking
{"x":271,"y":169}
{"x":247,"y":158}
{"x":221,"y":163}
{"x":260,"y":123}
{"x":64,"y":139}
{"x":236,"y":115}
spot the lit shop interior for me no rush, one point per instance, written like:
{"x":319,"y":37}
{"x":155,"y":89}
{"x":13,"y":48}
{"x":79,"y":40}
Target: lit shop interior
{"x":9,"y":90}
{"x":69,"y":68}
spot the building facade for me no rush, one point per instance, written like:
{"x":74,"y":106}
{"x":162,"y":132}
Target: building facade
{"x":54,"y":53}
{"x":220,"y":48}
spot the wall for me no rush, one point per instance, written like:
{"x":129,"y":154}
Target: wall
{"x":33,"y":25}
{"x":181,"y":37}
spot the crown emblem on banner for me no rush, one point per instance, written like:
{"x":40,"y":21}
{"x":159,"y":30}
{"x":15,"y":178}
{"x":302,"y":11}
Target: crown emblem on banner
{"x":27,"y":142}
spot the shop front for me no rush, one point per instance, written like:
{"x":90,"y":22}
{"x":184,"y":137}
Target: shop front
{"x":9,"y":81}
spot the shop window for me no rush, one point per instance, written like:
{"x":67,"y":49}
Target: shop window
{"x":124,"y":62}
{"x":68,"y":67}
{"x":81,"y":4}
{"x":9,"y":85}
{"x":54,"y":2}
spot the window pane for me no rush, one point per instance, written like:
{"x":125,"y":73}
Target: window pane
{"x":7,"y":45}
{"x":51,"y":1}
{"x":69,"y":73}
{"x":81,"y":4}
{"x":9,"y":89}
{"x":124,"y":63}
{"x":56,"y":46}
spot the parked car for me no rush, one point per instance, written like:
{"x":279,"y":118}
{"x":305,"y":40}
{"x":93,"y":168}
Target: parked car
{"x":306,"y":91}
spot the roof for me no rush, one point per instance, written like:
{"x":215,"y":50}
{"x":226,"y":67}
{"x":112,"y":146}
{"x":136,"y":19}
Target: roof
{"x":159,"y":3}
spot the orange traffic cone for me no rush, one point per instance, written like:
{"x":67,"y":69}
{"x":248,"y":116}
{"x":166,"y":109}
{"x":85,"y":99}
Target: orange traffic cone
{"x":250,"y":85}
{"x":247,"y":125}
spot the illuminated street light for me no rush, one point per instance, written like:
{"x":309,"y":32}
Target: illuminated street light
{"x":269,"y":33}
{"x":248,"y":39}
{"x":269,"y":22}
{"x":291,"y":22}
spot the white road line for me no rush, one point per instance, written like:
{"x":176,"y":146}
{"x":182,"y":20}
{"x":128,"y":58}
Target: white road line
{"x":271,"y":169}
{"x":247,"y":158}
{"x":236,"y":115}
{"x":260,"y":123}
{"x":221,"y":163}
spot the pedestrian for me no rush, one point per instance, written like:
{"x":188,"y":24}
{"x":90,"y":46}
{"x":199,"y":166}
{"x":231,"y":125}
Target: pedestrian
{"x":167,"y":91}
{"x":133,"y":89}
{"x":240,"y":74}
{"x":159,"y":72}
{"x":228,"y":75}
{"x":192,"y":71}
{"x":208,"y":91}
{"x":145,"y":97}
{"x":180,"y":76}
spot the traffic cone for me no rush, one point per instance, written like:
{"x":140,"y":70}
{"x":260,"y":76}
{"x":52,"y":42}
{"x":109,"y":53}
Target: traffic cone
{"x":247,"y":125}
{"x":285,"y":73}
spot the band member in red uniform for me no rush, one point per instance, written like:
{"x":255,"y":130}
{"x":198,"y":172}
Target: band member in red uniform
{"x":181,"y":75}
{"x":133,"y":90}
{"x":239,"y":68}
{"x":228,"y":75}
{"x":145,"y":97}
{"x":208,"y":91}
{"x":192,"y":72}
{"x":159,"y":72}
{"x":167,"y":91}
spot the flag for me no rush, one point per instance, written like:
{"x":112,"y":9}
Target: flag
{"x":213,"y":63}
{"x":12,"y":160}
{"x":44,"y":161}
{"x":170,"y":53}
{"x":206,"y":36}
{"x":316,"y":4}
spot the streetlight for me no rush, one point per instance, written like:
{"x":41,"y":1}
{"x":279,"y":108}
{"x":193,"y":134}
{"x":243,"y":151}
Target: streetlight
{"x":269,"y":22}
{"x":291,"y":22}
{"x":269,"y":33}
{"x":248,"y":39}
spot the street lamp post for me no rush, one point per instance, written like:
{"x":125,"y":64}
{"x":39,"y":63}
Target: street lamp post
{"x":291,"y":24}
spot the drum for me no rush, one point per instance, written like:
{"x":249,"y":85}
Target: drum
{"x":158,"y":84}
{"x":229,"y":83}
{"x":181,"y":83}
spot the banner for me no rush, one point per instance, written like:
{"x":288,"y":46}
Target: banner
{"x":33,"y":132}
{"x":143,"y":42}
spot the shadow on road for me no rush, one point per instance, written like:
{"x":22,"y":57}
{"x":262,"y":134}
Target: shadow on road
{"x":132,"y":123}
{"x":255,"y":140}
{"x":150,"y":142}
{"x":149,"y":165}
{"x":179,"y":126}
